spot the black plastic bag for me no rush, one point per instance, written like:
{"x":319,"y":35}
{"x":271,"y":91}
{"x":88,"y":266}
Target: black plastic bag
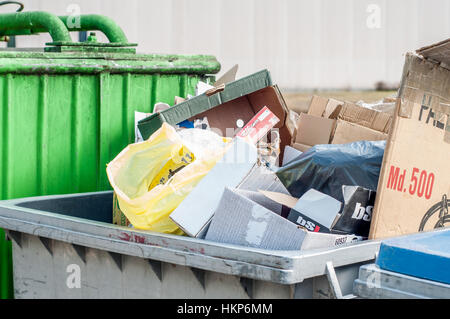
{"x":328,"y":167}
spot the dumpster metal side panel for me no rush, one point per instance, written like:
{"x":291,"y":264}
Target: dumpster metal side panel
{"x":195,"y":262}
{"x":63,"y":274}
{"x":58,"y":132}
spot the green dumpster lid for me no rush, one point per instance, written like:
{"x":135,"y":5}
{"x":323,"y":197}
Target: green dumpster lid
{"x":64,"y":56}
{"x":29,"y":62}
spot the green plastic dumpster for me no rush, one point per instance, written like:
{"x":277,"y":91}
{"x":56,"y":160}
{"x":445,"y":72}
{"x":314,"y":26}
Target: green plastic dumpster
{"x":68,"y":108}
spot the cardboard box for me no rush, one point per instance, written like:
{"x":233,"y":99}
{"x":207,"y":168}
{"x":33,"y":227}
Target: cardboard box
{"x":414,"y":181}
{"x":312,"y":130}
{"x":320,"y":240}
{"x":323,"y":107}
{"x":196,"y":210}
{"x":332,"y":121}
{"x":264,"y":201}
{"x":375,"y":120}
{"x":227,"y":106}
{"x":347,"y":132}
{"x":331,"y":107}
{"x":316,"y":206}
{"x":240,"y":221}
{"x":262,"y":178}
{"x":314,"y":211}
{"x":317,"y":106}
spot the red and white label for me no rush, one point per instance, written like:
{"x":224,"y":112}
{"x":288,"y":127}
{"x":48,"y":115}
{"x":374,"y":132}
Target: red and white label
{"x":258,"y":126}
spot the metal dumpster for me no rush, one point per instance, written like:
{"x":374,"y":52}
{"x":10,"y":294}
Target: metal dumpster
{"x":68,"y":109}
{"x":65,"y":246}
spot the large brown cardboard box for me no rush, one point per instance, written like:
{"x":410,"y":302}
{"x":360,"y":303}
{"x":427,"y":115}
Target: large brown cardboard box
{"x":414,"y":186}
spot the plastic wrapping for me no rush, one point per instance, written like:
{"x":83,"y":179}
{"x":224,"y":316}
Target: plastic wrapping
{"x":328,"y":167}
{"x":152,"y":178}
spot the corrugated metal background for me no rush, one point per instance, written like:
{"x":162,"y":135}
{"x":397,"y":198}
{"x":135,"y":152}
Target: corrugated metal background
{"x":306,"y":44}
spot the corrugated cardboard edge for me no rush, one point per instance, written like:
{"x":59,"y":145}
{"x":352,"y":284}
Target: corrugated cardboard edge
{"x":280,"y":198}
{"x":375,"y":120}
{"x":417,"y":69}
{"x":382,"y":180}
{"x":438,"y":53}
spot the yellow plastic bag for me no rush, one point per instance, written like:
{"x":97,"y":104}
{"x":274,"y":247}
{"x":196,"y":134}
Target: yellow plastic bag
{"x":153,"y":177}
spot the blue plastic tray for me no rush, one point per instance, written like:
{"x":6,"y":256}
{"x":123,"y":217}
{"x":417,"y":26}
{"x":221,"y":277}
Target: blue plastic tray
{"x":423,"y":255}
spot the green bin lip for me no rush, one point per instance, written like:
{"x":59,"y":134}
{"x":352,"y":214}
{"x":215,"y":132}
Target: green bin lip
{"x":34,"y":62}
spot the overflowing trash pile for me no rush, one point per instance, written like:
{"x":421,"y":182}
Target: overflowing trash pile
{"x":234,"y":165}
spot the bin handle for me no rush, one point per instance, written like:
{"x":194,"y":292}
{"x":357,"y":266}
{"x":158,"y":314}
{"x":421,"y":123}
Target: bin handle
{"x":28,"y":22}
{"x":95,"y":22}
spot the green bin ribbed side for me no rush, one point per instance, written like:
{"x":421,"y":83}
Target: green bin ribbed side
{"x":59,"y":130}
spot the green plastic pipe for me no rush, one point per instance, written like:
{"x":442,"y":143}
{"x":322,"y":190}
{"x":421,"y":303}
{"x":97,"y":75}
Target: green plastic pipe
{"x":27,"y":22}
{"x":96,"y":22}
{"x":87,"y":22}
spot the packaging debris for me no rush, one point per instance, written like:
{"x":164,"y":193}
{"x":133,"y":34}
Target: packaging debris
{"x":323,"y":107}
{"x":228,"y":108}
{"x":314,"y":211}
{"x":238,"y":161}
{"x":331,"y":121}
{"x":312,"y":130}
{"x":326,"y":168}
{"x":357,"y":211}
{"x":241,"y":221}
{"x":194,"y":213}
{"x":261,"y":177}
{"x":151,"y":178}
{"x":318,"y":212}
{"x":414,"y":188}
{"x":386,"y":105}
{"x":323,"y":194}
{"x":264,"y":201}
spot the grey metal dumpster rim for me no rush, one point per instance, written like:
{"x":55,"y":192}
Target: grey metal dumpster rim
{"x":284,"y":267}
